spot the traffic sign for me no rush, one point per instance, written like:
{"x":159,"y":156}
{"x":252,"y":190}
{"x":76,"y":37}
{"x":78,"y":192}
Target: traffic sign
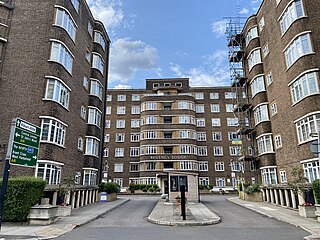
{"x":25,"y":144}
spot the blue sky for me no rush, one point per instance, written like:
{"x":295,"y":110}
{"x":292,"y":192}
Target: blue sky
{"x":168,"y":39}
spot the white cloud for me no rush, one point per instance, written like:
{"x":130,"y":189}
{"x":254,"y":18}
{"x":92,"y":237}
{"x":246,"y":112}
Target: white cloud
{"x":219,"y":28}
{"x":127,"y":57}
{"x":214,"y":71}
{"x":244,"y":11}
{"x":109,"y":12}
{"x":122,"y":86}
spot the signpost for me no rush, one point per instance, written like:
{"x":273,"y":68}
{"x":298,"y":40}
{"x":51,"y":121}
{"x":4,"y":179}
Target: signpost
{"x":23,"y":150}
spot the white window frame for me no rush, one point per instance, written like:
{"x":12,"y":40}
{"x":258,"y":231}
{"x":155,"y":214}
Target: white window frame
{"x":57,"y":91}
{"x":265,"y":144}
{"x":261,"y":113}
{"x":201,"y":136}
{"x":94,"y":116}
{"x":214,"y":95}
{"x":96,"y":88}
{"x":51,"y":171}
{"x":220,"y":182}
{"x":64,"y":19}
{"x":290,"y":15}
{"x":90,"y":176}
{"x":254,"y":58}
{"x":98,"y":38}
{"x":121,"y":110}
{"x":218,"y":151}
{"x":53,"y":131}
{"x":92,"y":146}
{"x":119,"y":152}
{"x":120,"y":137}
{"x":269,"y":175}
{"x":215,"y":122}
{"x":257,"y":85}
{"x":118,"y":167}
{"x":306,"y":125}
{"x":203,"y":166}
{"x":61,"y":54}
{"x":121,"y":123}
{"x":277,"y":141}
{"x":98,"y":62}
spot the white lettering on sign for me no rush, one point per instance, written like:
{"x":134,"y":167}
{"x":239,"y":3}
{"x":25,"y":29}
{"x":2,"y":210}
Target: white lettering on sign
{"x":28,"y":127}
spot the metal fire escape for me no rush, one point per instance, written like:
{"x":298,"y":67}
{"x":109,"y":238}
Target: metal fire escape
{"x":240,"y":86}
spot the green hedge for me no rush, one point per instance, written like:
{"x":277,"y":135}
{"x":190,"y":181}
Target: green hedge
{"x":22,"y":194}
{"x":316,"y":190}
{"x":109,"y":187}
{"x":145,"y":187}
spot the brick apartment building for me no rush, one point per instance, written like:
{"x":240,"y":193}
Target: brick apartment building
{"x":170,"y":126}
{"x":275,"y":60}
{"x":53,"y":73}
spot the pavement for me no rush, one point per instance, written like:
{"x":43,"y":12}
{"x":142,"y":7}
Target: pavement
{"x":284,"y":214}
{"x":164,"y":213}
{"x":169,"y":213}
{"x":78,"y":217}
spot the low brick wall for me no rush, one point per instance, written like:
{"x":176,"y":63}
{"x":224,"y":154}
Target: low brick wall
{"x":252,"y":197}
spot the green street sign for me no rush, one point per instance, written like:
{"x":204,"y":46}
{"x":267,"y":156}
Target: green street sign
{"x":25,"y":145}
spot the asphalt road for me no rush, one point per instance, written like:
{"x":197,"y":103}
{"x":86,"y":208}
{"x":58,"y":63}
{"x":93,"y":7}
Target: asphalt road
{"x":129,"y":222}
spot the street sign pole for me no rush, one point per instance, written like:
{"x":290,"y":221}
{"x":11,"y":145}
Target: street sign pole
{"x":6,"y":172}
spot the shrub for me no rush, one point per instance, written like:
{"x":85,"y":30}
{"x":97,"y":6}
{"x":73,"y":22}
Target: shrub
{"x":248,"y":188}
{"x":316,"y":190}
{"x":109,"y":187}
{"x":22,"y":194}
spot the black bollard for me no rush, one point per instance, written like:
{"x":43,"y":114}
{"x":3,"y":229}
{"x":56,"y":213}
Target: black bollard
{"x":183,"y":201}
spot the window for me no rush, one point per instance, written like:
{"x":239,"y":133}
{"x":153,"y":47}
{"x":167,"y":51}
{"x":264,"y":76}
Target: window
{"x":96,"y":88}
{"x":203,"y":166}
{"x":305,"y":85}
{"x":257,"y":85}
{"x":156,"y":85}
{"x":252,"y":33}
{"x":135,"y":97}
{"x":178,"y":84}
{"x":188,"y":149}
{"x":134,"y":137}
{"x":121,"y":110}
{"x":92,"y":146}
{"x":80,"y":143}
{"x":121,"y":98}
{"x":186,"y":165}
{"x":88,"y":55}
{"x":277,"y":141}
{"x":265,"y":144}
{"x":236,"y":166}
{"x":201,"y":122}
{"x":283,"y":176}
{"x":167,"y":84}
{"x":215,"y":108}
{"x":107,"y":137}
{"x":167,"y":135}
{"x":98,"y":38}
{"x":167,"y":119}
{"x":261,"y":24}
{"x":185,"y":134}
{"x":150,"y":135}
{"x":90,"y":176}
{"x":233,"y":135}
{"x":216,"y":136}
{"x":269,"y":176}
{"x":97,"y":62}
{"x":75,"y":4}
{"x":269,"y":78}
{"x":265,"y":50}
{"x":57,"y":91}
{"x":177,"y":181}
{"x":151,"y":105}
{"x":135,"y":123}
{"x":184,"y":119}
{"x":49,"y":171}
{"x":106,"y":152}
{"x":135,"y":109}
{"x":199,"y":95}
{"x":94,"y":116}
{"x":201,"y":136}
{"x":214,"y":95}
{"x":119,"y":152}
{"x":107,"y":123}
{"x":274,"y":108}
{"x":218,"y":151}
{"x":199,"y":108}
{"x":120,"y":137}
{"x":261,"y":114}
{"x":90,"y":28}
{"x":220,"y":182}
{"x":108,"y":110}
{"x":307,"y":125}
{"x":230,"y":95}
{"x":229,"y":107}
{"x":134,"y":151}
{"x":291,"y":14}
{"x":121,"y":123}
{"x":204,"y":181}
{"x":232,"y":121}
{"x":150,"y":166}
{"x":63,"y":19}
{"x":109,"y":98}
{"x":254,"y":58}
{"x":118,"y":167}
{"x":235,"y":150}
{"x":215,"y":122}
{"x":53,"y":131}
{"x":299,"y":47}
{"x":118,"y":181}
{"x":151,"y":149}
{"x":202,"y":150}
{"x":134,"y":167}
{"x":311,"y":170}
{"x":151,"y":119}
{"x":61,"y":54}
{"x":85,"y":83}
